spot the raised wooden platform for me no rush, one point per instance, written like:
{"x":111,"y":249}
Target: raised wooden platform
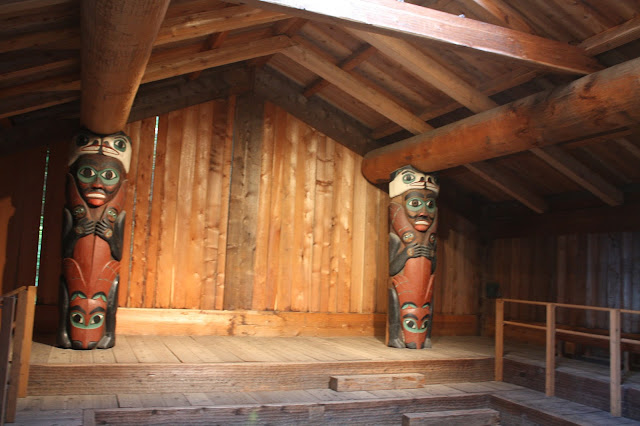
{"x":239,"y":380}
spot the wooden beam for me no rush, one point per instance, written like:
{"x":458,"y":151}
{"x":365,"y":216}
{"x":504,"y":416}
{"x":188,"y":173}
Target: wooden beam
{"x":172,"y":67}
{"x":613,"y":37}
{"x":214,"y":21}
{"x":405,"y":19}
{"x":37,"y":39}
{"x":597,"y":103}
{"x":117,"y":38}
{"x":504,"y":13}
{"x":428,"y":69}
{"x":356,"y":88}
{"x":579,"y":173}
{"x":348,"y":64}
{"x":510,"y":186}
{"x":315,"y":112}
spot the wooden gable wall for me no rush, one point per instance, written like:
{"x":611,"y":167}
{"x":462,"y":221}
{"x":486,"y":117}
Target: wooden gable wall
{"x":245,"y":208}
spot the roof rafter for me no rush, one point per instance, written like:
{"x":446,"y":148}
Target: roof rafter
{"x":404,"y":19}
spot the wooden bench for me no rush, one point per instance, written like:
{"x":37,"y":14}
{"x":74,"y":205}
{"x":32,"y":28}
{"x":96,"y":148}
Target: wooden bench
{"x":475,"y":417}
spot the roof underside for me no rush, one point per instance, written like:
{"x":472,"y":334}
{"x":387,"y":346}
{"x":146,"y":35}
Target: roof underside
{"x":385,"y":84}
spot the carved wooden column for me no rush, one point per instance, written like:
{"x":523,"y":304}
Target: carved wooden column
{"x":93,"y":232}
{"x":413,"y":219}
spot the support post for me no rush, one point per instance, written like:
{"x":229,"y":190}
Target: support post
{"x":499,"y":340}
{"x":615,"y":375}
{"x":550,"y":347}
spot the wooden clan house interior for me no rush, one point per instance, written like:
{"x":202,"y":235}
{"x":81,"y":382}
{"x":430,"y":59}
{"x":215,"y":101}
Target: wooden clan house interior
{"x":254,"y":279}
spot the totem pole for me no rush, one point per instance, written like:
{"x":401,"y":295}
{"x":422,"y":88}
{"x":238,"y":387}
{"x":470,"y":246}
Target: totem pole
{"x":413,"y":219}
{"x":93,"y":228}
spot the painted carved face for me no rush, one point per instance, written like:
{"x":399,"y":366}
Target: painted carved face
{"x":420,"y":207}
{"x":86,"y":316}
{"x":117,"y":145}
{"x":98,"y":178}
{"x":415,"y":321}
{"x":408,"y":178}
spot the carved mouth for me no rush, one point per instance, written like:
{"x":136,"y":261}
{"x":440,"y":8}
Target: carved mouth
{"x":96,"y":195}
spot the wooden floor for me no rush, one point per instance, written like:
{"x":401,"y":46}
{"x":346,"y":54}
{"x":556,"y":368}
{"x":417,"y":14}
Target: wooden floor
{"x":146,"y":377}
{"x":222,"y":349}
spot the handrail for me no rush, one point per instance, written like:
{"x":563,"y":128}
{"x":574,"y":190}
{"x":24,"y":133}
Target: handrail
{"x":551,"y":330}
{"x":17,"y":331}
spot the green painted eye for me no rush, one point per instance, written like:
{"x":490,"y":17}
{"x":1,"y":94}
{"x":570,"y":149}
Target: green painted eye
{"x":120,"y":145}
{"x":109,"y":176}
{"x":95,"y":321}
{"x":431,"y":205}
{"x":87,"y":174}
{"x":414,"y":204}
{"x":77,"y":319}
{"x":408,"y":178}
{"x":411,"y":325}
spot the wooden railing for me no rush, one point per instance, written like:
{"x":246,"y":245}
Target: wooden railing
{"x":16,"y":333}
{"x":551,"y":331}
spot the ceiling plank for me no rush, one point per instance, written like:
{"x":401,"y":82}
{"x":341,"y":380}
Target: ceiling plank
{"x":214,"y":21}
{"x":428,"y":69}
{"x":117,"y":38}
{"x":356,"y":88}
{"x":37,"y":39}
{"x":613,"y":37}
{"x":580,"y":174}
{"x":404,"y":19}
{"x":601,"y":102}
{"x":509,"y":185}
{"x":172,"y":67}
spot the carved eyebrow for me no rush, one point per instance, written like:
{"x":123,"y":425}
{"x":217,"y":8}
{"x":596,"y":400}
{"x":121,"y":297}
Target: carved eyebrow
{"x":78,"y":308}
{"x":410,"y":316}
{"x":78,"y":294}
{"x":99,"y":294}
{"x":98,"y":309}
{"x":412,"y":194}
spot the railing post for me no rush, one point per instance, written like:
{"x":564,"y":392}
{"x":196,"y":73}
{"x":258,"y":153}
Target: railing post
{"x":614,"y":356}
{"x":499,"y":340}
{"x":8,"y":309}
{"x":550,"y":348}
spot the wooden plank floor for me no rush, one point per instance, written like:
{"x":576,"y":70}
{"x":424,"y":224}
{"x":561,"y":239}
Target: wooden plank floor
{"x":223,"y":349}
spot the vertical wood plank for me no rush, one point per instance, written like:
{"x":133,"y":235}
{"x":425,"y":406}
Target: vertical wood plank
{"x":153,"y":246}
{"x":615,"y":379}
{"x":133,"y":131}
{"x":8,"y":310}
{"x":139,"y":216}
{"x":183,"y":278}
{"x":261,"y":279}
{"x":50,"y":264}
{"x":166,"y":249}
{"x":499,"y":345}
{"x":382,"y":253}
{"x":278,"y":172}
{"x":359,"y":234}
{"x":243,"y":205}
{"x":224,"y":205}
{"x":323,"y":225}
{"x":550,"y":351}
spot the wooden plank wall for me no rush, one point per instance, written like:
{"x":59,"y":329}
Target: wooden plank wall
{"x":244,"y":208}
{"x":586,"y":269}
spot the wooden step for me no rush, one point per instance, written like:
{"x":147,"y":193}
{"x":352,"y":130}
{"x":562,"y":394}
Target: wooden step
{"x":475,"y":417}
{"x":52,"y":379}
{"x":362,"y":382}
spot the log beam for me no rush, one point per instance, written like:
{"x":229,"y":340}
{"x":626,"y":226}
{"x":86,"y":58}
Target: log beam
{"x":599,"y":103}
{"x":117,"y":38}
{"x":407,"y":20}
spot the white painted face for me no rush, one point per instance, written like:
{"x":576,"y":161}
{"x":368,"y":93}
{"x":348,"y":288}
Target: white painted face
{"x":407,"y":178}
{"x":117,"y":145}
